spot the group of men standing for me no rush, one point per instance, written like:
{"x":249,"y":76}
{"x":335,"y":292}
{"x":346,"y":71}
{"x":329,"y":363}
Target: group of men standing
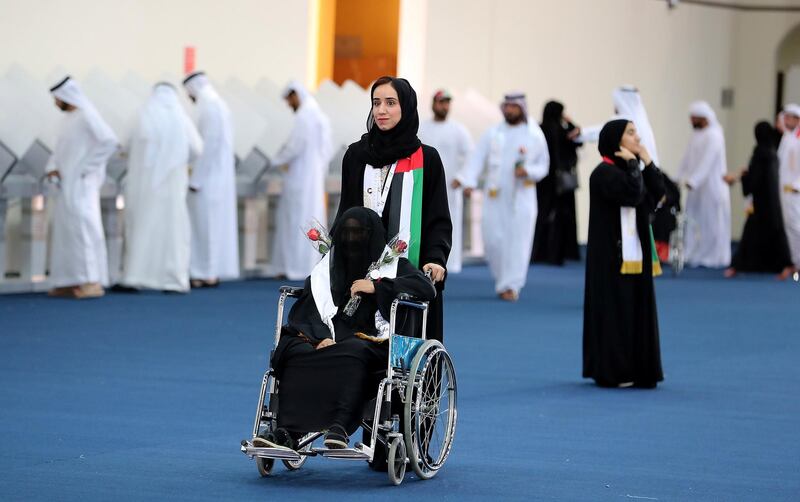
{"x":170,"y":237}
{"x":181,"y":222}
{"x":181,"y":227}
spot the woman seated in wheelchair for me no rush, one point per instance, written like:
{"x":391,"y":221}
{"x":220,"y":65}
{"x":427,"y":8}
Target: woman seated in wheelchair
{"x":329,"y":364}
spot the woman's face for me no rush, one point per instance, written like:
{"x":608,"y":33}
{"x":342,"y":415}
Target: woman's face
{"x":386,"y":110}
{"x":630,"y":139}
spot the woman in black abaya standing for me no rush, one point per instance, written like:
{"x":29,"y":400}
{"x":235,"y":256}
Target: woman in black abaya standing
{"x":620,"y":322}
{"x":556,"y":236}
{"x":764,"y":246}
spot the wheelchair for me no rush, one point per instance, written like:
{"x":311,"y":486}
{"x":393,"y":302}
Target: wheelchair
{"x":419,"y":373}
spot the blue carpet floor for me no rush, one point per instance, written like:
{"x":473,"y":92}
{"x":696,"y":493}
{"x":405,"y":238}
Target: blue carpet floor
{"x":146,"y":397}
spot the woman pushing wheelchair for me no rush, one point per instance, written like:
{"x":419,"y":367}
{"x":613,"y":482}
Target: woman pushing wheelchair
{"x":329,"y":363}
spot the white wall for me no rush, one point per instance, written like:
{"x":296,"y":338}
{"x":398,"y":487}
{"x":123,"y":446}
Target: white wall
{"x":248,"y":39}
{"x":757,"y":39}
{"x":577,"y":51}
{"x":792,"y":83}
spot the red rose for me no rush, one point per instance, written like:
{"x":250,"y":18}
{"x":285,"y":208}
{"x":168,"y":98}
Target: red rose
{"x":400,"y":246}
{"x":313,"y":234}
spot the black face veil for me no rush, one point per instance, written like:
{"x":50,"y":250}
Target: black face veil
{"x":358,"y":240}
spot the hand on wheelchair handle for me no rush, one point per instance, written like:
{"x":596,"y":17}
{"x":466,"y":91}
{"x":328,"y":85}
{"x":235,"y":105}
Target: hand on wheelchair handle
{"x":434,"y":271}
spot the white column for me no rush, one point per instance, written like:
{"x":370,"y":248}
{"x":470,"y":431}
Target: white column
{"x":411,"y":43}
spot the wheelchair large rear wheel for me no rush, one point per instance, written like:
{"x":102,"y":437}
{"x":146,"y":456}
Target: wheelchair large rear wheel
{"x":430,"y":409}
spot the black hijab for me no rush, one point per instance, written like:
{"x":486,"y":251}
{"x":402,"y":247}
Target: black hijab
{"x":551,"y":125}
{"x":765,"y":136}
{"x":358,"y":240}
{"x":552,"y":113}
{"x":383,"y":148}
{"x":610,"y":138}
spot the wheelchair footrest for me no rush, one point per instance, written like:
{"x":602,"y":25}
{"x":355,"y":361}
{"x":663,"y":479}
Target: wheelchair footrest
{"x":276,"y":453}
{"x":342,"y":453}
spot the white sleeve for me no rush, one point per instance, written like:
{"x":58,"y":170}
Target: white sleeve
{"x":103,"y":145}
{"x":465,"y":148}
{"x":590,"y":134}
{"x":537,"y":159}
{"x":195,"y":141}
{"x":293,"y":147}
{"x":98,"y":158}
{"x":475,"y":164}
{"x":704,"y":168}
{"x":210,"y":128}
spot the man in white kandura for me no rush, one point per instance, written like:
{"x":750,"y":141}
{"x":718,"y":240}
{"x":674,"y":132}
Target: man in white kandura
{"x":212,"y":189}
{"x":628,"y":105}
{"x":305,"y":157}
{"x":452,"y":141}
{"x":789,"y":160}
{"x":157,"y":227}
{"x":514,"y":154}
{"x":708,"y":205}
{"x":78,"y":259}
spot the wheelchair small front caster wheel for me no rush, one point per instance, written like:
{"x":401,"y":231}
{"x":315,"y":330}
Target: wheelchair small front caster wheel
{"x":264,"y":466}
{"x":293,"y":465}
{"x":397,"y":460}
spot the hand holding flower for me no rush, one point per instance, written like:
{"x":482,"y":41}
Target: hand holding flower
{"x":395,"y":248}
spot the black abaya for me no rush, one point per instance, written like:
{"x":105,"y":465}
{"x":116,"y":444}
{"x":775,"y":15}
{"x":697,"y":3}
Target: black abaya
{"x":620,"y":322}
{"x":320,"y":388}
{"x":378,"y":148}
{"x":556,"y":235}
{"x":764,"y":246}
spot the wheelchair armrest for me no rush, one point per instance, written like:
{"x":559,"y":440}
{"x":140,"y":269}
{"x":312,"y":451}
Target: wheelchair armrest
{"x":407,"y":300}
{"x":291,"y":291}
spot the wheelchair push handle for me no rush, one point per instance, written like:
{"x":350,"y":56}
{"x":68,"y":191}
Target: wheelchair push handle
{"x":412,"y":301}
{"x":291,"y":291}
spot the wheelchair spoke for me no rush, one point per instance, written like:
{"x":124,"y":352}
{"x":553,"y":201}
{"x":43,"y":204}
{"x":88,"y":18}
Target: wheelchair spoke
{"x":433,"y":414}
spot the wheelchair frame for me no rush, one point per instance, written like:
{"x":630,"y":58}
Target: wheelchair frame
{"x":677,"y":256}
{"x":405,"y":381}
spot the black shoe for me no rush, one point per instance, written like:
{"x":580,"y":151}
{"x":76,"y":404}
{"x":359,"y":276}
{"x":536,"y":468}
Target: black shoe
{"x":121,"y":288}
{"x":279,"y":439}
{"x":336,"y":438}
